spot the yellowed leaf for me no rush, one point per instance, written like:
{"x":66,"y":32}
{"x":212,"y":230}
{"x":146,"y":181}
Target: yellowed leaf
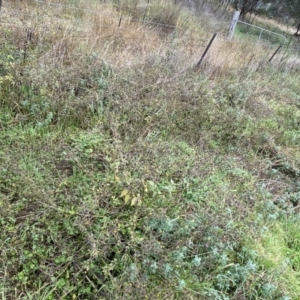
{"x":136,"y":201}
{"x":127,"y":198}
{"x":124,"y":193}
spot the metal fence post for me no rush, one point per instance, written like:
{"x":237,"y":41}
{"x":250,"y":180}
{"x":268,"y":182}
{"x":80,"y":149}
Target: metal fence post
{"x":206,"y":50}
{"x":261,"y":31}
{"x":275,"y":53}
{"x":234,"y":21}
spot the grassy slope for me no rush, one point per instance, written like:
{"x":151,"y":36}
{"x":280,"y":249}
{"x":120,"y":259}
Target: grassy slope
{"x":126,"y":175}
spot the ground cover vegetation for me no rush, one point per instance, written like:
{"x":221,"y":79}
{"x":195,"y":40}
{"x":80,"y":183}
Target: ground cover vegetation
{"x":127,"y":173}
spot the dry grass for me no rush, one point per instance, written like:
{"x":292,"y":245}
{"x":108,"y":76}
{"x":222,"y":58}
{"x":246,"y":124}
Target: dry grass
{"x":117,"y":33}
{"x":121,"y":40}
{"x":118,"y":39}
{"x":126,"y":33}
{"x":276,"y":24}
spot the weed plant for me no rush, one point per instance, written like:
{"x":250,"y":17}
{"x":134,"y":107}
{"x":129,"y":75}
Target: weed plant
{"x":126,"y":173}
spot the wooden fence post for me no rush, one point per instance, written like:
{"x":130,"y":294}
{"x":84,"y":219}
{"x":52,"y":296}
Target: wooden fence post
{"x":234,"y":21}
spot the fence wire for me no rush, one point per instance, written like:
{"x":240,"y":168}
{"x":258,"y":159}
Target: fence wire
{"x":51,"y":22}
{"x":32,"y":21}
{"x":118,"y":16}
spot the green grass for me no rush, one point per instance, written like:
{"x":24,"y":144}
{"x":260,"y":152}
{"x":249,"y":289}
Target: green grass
{"x":144,"y":181}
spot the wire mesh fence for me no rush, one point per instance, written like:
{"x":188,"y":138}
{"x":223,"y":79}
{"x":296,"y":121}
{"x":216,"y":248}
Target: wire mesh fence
{"x":259,"y":35}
